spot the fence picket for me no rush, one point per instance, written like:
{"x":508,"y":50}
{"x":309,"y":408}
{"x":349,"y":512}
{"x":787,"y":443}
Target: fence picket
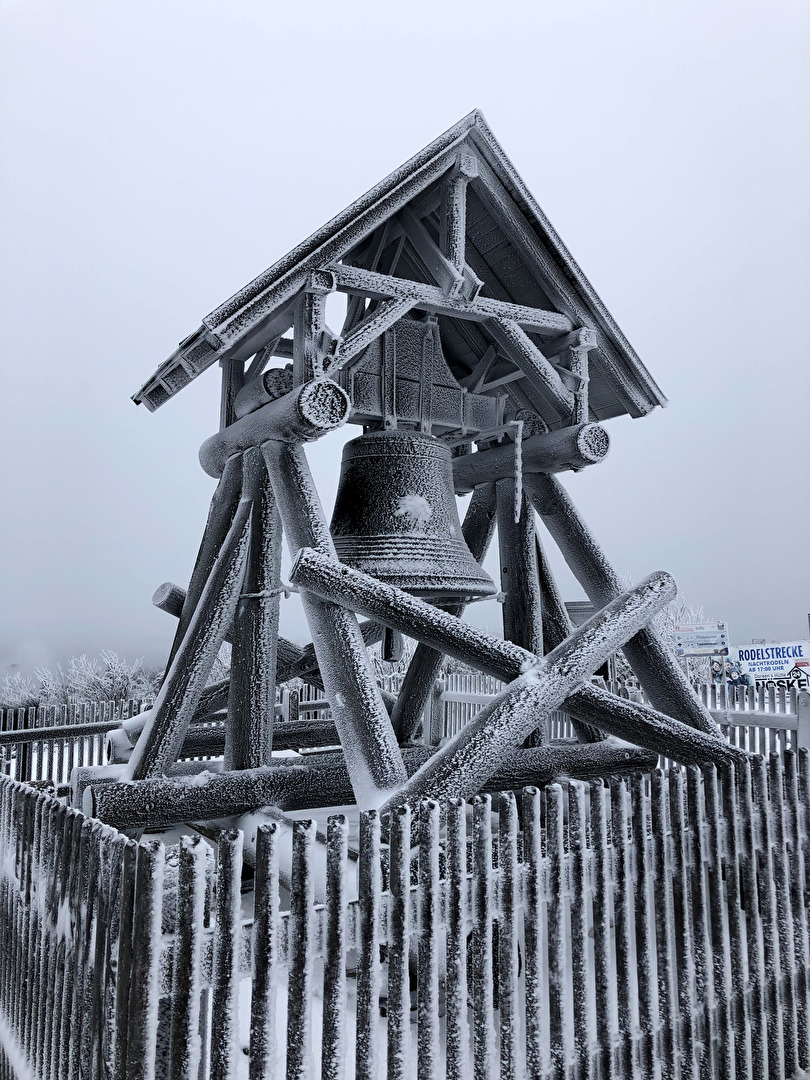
{"x":86,"y":948}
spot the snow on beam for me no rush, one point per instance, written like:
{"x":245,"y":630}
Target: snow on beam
{"x":442,"y":631}
{"x":657,"y":669}
{"x":167,"y":801}
{"x":353,"y":279}
{"x":303,"y":415}
{"x":362,"y":335}
{"x":466,"y":761}
{"x":513,"y":340}
{"x":453,"y":217}
{"x":549,"y":451}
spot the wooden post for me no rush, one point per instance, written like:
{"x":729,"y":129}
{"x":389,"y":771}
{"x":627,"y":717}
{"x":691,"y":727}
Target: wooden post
{"x":370,"y":747}
{"x":252,"y":698}
{"x":522,"y":608}
{"x":656,"y":667}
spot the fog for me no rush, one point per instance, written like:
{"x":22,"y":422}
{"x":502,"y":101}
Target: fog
{"x":157,"y":155}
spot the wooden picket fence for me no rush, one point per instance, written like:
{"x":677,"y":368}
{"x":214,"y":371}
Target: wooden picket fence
{"x":641,"y":928}
{"x":44,"y":744}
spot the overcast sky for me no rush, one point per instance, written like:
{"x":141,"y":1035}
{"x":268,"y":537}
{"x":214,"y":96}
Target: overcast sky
{"x":157,"y":155}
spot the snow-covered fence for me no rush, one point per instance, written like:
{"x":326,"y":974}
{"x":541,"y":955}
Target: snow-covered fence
{"x":43,"y":745}
{"x":760,"y":720}
{"x":588,"y":930}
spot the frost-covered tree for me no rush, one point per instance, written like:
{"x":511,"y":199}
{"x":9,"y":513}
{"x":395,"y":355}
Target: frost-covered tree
{"x":81,"y":679}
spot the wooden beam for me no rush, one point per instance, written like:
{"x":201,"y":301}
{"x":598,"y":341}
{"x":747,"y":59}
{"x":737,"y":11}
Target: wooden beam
{"x":353,"y":279}
{"x":475,"y":380}
{"x":233,"y":379}
{"x":577,"y":339}
{"x":303,"y":415}
{"x":519,"y":347}
{"x":656,"y":667}
{"x":173,"y":800}
{"x":176,"y":703}
{"x":549,"y":451}
{"x":252,"y":697}
{"x":220,"y":515}
{"x":308,"y":326}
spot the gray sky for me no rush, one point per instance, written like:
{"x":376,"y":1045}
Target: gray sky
{"x":157,"y":155}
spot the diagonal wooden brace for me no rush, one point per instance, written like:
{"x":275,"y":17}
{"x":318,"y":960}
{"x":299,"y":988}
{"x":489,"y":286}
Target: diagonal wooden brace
{"x":657,"y":669}
{"x":160,"y":741}
{"x":464,"y":763}
{"x":503,"y":659}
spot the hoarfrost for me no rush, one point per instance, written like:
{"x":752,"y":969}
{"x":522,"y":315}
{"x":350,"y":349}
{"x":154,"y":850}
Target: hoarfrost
{"x":414,"y":507}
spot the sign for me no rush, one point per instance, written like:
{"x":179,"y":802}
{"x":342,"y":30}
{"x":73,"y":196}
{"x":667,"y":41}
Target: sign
{"x":779,"y":661}
{"x":708,"y":639}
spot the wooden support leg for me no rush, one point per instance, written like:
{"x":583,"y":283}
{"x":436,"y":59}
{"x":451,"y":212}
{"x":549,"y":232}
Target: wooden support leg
{"x":425,"y":665}
{"x":522,"y":608}
{"x":500,"y":658}
{"x":252,"y":699}
{"x":556,"y":628}
{"x":656,"y":668}
{"x":161,"y":739}
{"x":223,"y":506}
{"x":465,"y":762}
{"x":370,"y":747}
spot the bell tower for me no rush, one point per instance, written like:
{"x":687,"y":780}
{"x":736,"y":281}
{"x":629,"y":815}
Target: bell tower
{"x":476,"y":357}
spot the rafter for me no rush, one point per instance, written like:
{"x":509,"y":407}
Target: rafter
{"x":522,"y":351}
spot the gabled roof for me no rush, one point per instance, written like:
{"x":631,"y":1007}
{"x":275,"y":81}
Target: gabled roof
{"x":510,"y":245}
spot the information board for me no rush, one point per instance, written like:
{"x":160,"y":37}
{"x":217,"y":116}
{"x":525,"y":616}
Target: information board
{"x":708,"y":639}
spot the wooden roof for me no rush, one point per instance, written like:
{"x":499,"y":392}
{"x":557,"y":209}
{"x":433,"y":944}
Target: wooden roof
{"x":513,"y":255}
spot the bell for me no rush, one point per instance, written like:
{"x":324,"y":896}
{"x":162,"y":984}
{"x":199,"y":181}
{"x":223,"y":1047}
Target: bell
{"x":395,"y":516}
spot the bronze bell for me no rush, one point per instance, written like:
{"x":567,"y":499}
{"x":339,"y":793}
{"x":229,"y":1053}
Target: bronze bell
{"x":395,"y":516}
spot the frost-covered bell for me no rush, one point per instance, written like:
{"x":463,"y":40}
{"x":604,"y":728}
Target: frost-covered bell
{"x":396,"y":518}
